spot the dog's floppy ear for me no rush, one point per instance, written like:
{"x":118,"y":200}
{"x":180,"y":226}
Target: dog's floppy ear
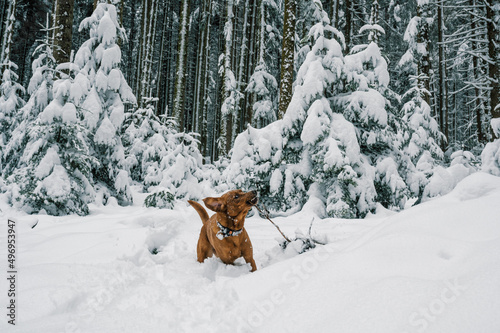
{"x":215,"y":204}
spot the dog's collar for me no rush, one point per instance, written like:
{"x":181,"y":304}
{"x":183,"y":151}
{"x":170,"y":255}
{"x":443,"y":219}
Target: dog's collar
{"x":226,"y":232}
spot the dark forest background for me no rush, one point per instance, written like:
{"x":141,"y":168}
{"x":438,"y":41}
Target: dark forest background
{"x":176,"y":52}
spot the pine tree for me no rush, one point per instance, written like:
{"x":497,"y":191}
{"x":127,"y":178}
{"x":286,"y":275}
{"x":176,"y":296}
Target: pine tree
{"x":103,"y":107}
{"x":262,"y":88}
{"x":282,"y":159}
{"x":182,"y":167}
{"x":368,"y":103}
{"x":49,"y":163}
{"x":329,"y":137}
{"x":10,"y":90}
{"x":160,"y":157}
{"x":10,"y":103}
{"x":54,"y":171}
{"x":307,"y":16}
{"x":421,"y":143}
{"x":146,"y":142}
{"x":40,"y":92}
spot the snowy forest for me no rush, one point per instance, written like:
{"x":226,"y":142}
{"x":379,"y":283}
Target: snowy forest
{"x":349,"y":103}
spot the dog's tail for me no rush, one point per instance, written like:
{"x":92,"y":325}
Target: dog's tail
{"x":201,"y":211}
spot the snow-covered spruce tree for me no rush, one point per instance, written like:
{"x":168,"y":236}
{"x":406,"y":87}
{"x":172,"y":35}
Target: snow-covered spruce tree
{"x":40,"y":92}
{"x":367,"y":102}
{"x":10,"y":101}
{"x":265,"y":87}
{"x":307,"y":16}
{"x":337,"y":161}
{"x":280,"y":159}
{"x":10,"y":104}
{"x":182,"y":168}
{"x":257,"y":163}
{"x":160,"y":157}
{"x":145,"y":144}
{"x":103,"y":109}
{"x":339,"y":133}
{"x":420,"y":144}
{"x":262,"y":84}
{"x":54,"y":172}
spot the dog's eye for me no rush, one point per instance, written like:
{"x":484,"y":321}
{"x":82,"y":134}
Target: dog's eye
{"x":236,"y":196}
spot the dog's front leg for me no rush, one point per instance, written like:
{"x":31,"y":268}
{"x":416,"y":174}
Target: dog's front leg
{"x":252,"y":263}
{"x":247,"y":252}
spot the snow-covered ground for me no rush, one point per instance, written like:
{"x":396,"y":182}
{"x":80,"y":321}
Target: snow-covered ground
{"x":432,"y":268}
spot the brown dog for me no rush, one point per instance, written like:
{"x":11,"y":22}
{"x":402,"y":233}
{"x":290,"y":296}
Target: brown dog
{"x":223,"y":234}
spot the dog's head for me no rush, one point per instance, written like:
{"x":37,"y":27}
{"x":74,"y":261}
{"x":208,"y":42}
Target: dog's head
{"x":235,"y":203}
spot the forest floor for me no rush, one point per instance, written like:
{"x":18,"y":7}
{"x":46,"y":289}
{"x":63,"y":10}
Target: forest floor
{"x":434,"y":267}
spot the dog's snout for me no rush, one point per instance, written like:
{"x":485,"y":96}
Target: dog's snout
{"x":252,"y":198}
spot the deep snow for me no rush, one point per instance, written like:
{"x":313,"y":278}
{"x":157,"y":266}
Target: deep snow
{"x":431,"y":268}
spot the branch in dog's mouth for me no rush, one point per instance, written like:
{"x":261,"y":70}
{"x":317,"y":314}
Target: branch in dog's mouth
{"x":253,"y":201}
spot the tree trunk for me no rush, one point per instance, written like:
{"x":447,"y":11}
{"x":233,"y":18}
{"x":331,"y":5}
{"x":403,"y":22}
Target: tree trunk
{"x":333,"y":12}
{"x":348,"y":25}
{"x":160,"y":81}
{"x":181,"y":70}
{"x":63,"y":30}
{"x":287,"y":57}
{"x":168,"y":75}
{"x":212,"y":103}
{"x":7,"y":33}
{"x":374,"y":19}
{"x":199,"y":92}
{"x":494,"y":58}
{"x":252,"y":37}
{"x":205,"y":81}
{"x":4,"y":8}
{"x":146,"y":5}
{"x":242,"y":78}
{"x":475,"y":71}
{"x":149,"y":33}
{"x":227,"y":89}
{"x":443,"y":109}
{"x":424,"y":64}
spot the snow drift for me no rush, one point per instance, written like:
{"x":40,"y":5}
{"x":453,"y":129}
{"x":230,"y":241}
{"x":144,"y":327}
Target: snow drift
{"x":432,"y":268}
